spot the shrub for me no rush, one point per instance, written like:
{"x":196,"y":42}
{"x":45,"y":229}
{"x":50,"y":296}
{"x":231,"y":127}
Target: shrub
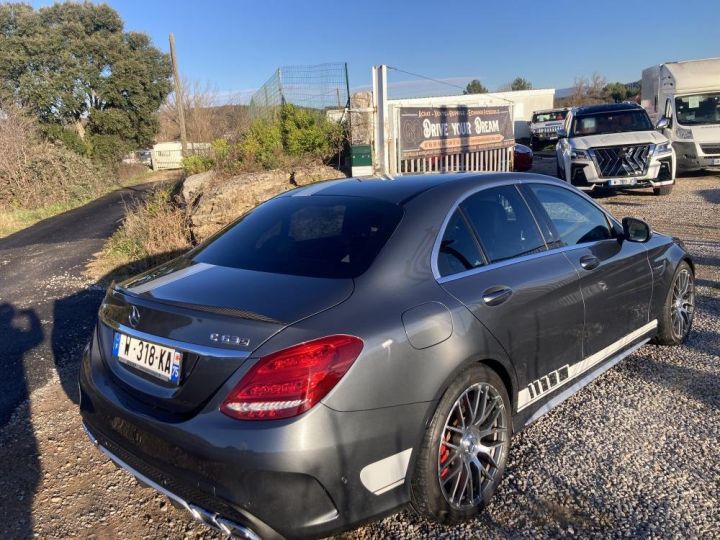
{"x":153,"y":231}
{"x":35,"y":172}
{"x":69,"y":138}
{"x":197,"y":163}
{"x":261,"y":145}
{"x":107,"y":149}
{"x":305,"y":133}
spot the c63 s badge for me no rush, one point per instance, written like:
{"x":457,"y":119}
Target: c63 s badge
{"x":229,"y":340}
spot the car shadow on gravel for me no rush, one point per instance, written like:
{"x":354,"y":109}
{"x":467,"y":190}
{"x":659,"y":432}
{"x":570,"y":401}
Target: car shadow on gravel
{"x":21,"y":331}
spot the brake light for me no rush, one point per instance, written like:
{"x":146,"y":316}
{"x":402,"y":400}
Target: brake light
{"x":289,"y":382}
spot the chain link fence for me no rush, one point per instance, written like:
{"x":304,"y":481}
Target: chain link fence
{"x":323,"y":88}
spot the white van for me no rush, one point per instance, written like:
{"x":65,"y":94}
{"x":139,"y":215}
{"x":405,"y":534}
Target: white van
{"x":683,"y":98}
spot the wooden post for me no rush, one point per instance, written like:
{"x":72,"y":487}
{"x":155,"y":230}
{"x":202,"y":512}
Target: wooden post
{"x":178,"y":96}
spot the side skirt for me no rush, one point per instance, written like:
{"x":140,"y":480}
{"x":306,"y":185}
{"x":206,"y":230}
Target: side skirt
{"x":582,"y":382}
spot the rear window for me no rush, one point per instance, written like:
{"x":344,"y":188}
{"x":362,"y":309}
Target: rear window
{"x":316,"y":236}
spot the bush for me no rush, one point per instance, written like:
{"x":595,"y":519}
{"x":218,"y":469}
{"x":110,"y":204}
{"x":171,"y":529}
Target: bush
{"x":261,"y":145}
{"x":305,"y":133}
{"x":197,"y":164}
{"x":153,"y":232}
{"x":35,"y":172}
{"x":297,"y":134}
{"x":107,"y":149}
{"x":69,"y":138}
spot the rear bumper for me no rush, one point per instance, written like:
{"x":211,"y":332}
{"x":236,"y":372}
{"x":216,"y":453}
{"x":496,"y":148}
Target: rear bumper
{"x":212,"y":519}
{"x":286,"y":478}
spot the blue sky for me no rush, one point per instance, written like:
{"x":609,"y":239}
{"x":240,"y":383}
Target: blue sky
{"x":236,"y":45}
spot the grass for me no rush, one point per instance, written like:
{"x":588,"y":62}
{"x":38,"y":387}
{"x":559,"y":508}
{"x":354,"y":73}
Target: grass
{"x":154,"y":231}
{"x":16,"y":219}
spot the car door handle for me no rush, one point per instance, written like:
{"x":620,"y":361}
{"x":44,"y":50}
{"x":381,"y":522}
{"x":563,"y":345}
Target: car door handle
{"x":495,"y":296}
{"x":589,"y":262}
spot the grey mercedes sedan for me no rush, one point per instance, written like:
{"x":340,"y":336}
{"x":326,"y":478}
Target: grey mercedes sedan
{"x":356,"y":346}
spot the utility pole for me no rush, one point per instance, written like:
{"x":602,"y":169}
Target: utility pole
{"x":179,"y":103}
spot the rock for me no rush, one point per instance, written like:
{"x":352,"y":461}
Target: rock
{"x":193,"y":185}
{"x":213,"y":202}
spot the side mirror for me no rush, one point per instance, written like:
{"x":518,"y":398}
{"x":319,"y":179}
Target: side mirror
{"x":561,"y":133}
{"x":663,"y":123}
{"x":636,"y":230}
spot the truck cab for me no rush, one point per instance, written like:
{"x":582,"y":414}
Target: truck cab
{"x":544,"y":127}
{"x":683,"y":99}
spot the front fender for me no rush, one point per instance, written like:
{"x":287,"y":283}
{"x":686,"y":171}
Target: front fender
{"x":664,"y":254}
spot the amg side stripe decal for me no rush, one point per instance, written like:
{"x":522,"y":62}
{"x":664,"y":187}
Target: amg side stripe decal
{"x":543,"y":386}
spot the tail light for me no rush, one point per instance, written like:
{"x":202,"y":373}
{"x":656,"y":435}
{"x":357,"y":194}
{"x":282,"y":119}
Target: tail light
{"x":289,"y":382}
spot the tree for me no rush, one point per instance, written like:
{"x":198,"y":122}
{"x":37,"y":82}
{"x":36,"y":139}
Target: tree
{"x":475,"y":87}
{"x":73,"y":64}
{"x":586,"y":91}
{"x":616,"y":92}
{"x":520,"y":83}
{"x":209,"y":114}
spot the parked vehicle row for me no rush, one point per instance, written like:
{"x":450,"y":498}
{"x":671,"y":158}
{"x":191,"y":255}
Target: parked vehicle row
{"x":676,"y":128}
{"x":351,"y":347}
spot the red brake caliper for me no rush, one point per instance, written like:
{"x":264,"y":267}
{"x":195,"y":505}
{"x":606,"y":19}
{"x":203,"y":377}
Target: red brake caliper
{"x":444,"y":455}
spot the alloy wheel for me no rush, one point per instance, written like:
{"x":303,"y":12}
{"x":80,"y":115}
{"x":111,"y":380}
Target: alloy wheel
{"x":472,"y":448}
{"x":683,"y":303}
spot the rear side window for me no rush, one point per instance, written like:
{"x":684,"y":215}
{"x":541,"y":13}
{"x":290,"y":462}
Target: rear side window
{"x":576,"y":220}
{"x":315,"y":236}
{"x":458,"y":249}
{"x":503,"y":223}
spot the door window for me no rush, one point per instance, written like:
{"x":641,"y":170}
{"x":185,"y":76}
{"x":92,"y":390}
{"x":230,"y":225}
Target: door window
{"x":576,"y":220}
{"x":458,"y":249}
{"x":503,"y":223}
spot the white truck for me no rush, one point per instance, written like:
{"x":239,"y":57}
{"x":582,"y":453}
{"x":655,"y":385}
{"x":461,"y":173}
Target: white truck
{"x":683,"y":99}
{"x":544,"y":127}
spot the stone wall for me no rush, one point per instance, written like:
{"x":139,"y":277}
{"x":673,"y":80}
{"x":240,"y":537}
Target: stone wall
{"x":214,"y":202}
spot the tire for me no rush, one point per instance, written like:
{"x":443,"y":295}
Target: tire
{"x":440,"y":469}
{"x":663,"y":190}
{"x":679,"y":305}
{"x":535,"y":145}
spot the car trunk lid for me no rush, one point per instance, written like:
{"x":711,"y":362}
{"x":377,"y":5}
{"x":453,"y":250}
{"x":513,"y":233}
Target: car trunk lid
{"x":214,"y":316}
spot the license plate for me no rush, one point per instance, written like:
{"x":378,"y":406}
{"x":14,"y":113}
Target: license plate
{"x":162,"y":362}
{"x":715,"y":161}
{"x":622,"y":182}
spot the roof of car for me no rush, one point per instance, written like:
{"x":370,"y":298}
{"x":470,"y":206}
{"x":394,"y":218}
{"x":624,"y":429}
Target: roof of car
{"x":400,"y":189}
{"x":607,"y":107}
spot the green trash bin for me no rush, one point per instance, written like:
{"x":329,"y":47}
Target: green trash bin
{"x":361,"y":159}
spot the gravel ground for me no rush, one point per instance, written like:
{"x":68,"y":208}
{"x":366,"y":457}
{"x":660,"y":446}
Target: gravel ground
{"x":634,"y":454}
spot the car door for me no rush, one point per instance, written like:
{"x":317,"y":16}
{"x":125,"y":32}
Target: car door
{"x":615,"y":275}
{"x":494,"y":260}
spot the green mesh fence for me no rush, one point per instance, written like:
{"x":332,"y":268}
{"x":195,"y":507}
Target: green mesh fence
{"x":321,"y":87}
